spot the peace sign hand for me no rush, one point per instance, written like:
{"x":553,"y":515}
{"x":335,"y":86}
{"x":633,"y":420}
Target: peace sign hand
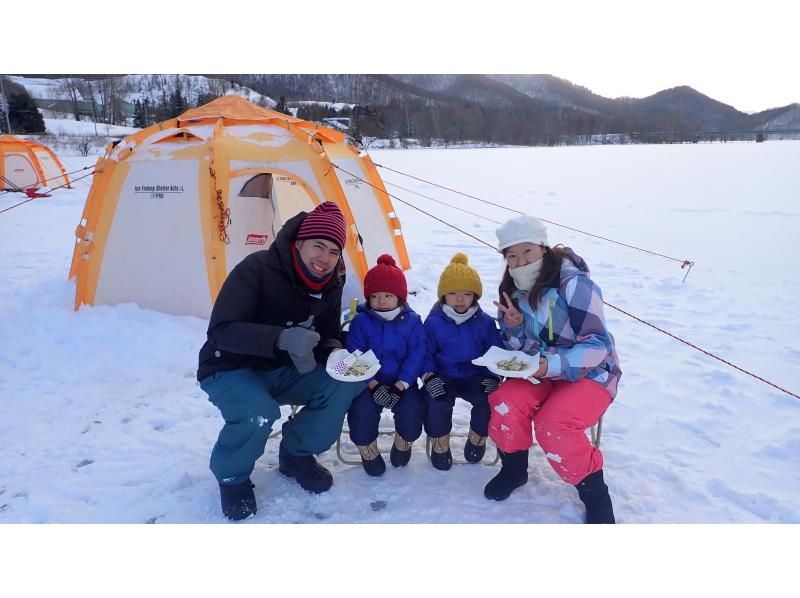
{"x":511,"y":315}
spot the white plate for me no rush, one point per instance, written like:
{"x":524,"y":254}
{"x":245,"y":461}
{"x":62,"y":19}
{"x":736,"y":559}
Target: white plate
{"x":338,"y":360}
{"x":495,"y":354}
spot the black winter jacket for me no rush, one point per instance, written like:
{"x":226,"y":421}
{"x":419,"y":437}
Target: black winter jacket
{"x":261,"y":297}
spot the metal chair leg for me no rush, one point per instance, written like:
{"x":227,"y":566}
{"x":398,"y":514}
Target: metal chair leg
{"x":596,"y":430}
{"x":295,"y":409}
{"x":342,"y":457}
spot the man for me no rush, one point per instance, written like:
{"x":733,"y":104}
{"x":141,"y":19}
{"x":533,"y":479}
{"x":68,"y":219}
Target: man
{"x":274,"y":323}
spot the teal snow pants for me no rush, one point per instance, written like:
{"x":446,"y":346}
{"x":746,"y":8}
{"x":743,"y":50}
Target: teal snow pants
{"x":249,"y":401}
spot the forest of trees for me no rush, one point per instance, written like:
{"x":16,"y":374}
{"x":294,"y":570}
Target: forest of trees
{"x":430,"y":109}
{"x":20,"y":110}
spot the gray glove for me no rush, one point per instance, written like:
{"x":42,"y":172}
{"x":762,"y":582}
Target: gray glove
{"x":299,"y":343}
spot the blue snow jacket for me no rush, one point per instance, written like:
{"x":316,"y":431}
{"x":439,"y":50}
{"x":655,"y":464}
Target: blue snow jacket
{"x":451,"y":347}
{"x":399,"y":344}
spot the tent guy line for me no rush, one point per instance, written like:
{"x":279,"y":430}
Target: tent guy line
{"x":630,"y":315}
{"x":684,"y":263}
{"x":37,"y":196}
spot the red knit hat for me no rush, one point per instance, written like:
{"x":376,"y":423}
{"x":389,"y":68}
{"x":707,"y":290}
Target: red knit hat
{"x":326,"y":221}
{"x":386,"y":277}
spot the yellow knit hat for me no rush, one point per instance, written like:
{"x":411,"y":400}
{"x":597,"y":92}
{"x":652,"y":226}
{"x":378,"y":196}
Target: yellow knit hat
{"x":458,"y":276}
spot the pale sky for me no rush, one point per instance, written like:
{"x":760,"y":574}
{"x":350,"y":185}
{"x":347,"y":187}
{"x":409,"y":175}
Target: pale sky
{"x":745,"y":54}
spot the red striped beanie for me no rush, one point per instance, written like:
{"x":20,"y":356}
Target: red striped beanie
{"x":326,"y":221}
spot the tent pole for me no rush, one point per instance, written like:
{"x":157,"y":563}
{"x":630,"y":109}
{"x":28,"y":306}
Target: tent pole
{"x":7,"y":109}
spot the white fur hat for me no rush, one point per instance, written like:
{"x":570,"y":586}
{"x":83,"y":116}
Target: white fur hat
{"x":521,"y":229}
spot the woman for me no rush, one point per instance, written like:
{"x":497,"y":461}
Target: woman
{"x":551,"y":310}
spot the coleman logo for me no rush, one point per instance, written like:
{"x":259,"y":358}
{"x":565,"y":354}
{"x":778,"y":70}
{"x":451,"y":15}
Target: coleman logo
{"x":256,"y":239}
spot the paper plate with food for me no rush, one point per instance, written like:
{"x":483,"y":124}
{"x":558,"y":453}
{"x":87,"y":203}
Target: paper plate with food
{"x":352,"y":367}
{"x":509,"y":364}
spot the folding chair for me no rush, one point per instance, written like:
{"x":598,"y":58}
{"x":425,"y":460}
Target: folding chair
{"x":295,"y":409}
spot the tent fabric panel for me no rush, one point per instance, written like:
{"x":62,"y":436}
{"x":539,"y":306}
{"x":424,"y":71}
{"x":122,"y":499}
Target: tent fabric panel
{"x":291,"y":198}
{"x":154,"y":254}
{"x":353,"y":284}
{"x":84,"y":232}
{"x":371,"y":220}
{"x":19,"y":170}
{"x":383,"y":198}
{"x":99,"y":223}
{"x":53,"y":174}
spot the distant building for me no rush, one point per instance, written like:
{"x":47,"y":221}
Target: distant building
{"x":341,"y":123}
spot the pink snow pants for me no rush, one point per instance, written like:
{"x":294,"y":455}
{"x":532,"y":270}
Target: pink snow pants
{"x":560,"y":412}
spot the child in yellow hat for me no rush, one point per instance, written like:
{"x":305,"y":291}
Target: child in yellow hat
{"x":457,"y":331}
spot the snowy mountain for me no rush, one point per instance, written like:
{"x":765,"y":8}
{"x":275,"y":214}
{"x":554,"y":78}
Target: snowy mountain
{"x":488,"y":109}
{"x":555,"y":90}
{"x":787,"y":117}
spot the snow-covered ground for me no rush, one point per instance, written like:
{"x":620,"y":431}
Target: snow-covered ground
{"x":102,"y":420}
{"x":70,"y":127}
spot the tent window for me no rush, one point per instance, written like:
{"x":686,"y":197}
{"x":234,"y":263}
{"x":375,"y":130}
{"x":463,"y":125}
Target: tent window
{"x":259,"y":186}
{"x":180,"y":136}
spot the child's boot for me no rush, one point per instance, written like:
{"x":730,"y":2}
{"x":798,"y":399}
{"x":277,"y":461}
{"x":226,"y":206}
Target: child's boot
{"x":401,"y":451}
{"x":475,"y":447}
{"x":441,"y":457}
{"x":371,"y":459}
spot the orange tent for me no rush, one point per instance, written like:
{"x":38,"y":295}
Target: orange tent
{"x":174,"y":207}
{"x":26,"y":164}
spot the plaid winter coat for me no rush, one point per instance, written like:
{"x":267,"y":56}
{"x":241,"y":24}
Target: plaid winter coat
{"x":568,"y":328}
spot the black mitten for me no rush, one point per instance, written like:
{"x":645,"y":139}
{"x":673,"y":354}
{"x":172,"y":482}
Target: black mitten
{"x":490,"y":384}
{"x":386,"y":396}
{"x":436,"y":388}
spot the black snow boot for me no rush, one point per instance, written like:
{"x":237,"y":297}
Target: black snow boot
{"x":513,"y":474}
{"x":594,"y":495}
{"x":399,"y":456}
{"x":312,"y":476}
{"x":238,"y":500}
{"x":441,"y":456}
{"x":372,"y":460}
{"x":475,"y":447}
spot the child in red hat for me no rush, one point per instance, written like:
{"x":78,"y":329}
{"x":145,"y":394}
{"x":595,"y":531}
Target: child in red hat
{"x":386,"y":324}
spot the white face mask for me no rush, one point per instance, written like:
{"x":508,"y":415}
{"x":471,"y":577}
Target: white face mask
{"x":457,"y":317}
{"x":525,"y":276}
{"x":389,"y":315}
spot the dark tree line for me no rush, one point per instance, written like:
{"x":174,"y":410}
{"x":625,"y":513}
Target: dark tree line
{"x":20,"y":109}
{"x":147,"y":112}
